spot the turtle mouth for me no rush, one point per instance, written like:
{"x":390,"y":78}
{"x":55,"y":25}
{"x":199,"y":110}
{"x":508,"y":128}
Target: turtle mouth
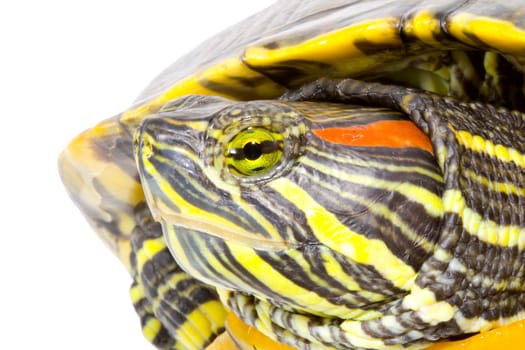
{"x":222,"y":231}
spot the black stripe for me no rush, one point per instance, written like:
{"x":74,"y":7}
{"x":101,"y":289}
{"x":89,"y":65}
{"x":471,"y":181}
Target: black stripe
{"x":483,"y":262}
{"x":176,"y":305}
{"x":502,"y":208}
{"x":356,"y":155}
{"x":286,"y":218}
{"x":327,"y":288}
{"x":216,"y":247}
{"x":347,"y":115}
{"x":490,"y":167}
{"x":189,"y":242}
{"x":224,"y":255}
{"x":359,"y":218}
{"x":156,"y":270}
{"x":288,"y":73}
{"x":368,"y":278}
{"x":177,"y":177}
{"x":177,"y":302}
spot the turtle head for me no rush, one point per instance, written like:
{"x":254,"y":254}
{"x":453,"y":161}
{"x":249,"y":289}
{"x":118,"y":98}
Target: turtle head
{"x":321,"y":207}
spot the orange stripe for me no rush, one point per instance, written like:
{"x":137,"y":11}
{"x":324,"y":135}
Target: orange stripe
{"x":386,"y":133}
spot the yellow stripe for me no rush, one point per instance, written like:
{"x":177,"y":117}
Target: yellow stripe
{"x":380,"y":209}
{"x":335,"y":271}
{"x":151,"y":328}
{"x":338,"y":237}
{"x":198,"y":329}
{"x":149,"y":249}
{"x":265,"y":273}
{"x":429,"y":200}
{"x":478,"y":144}
{"x":191,"y":211}
{"x":212,"y":311}
{"x":211,"y":260}
{"x":136,"y":293}
{"x":200,"y":324}
{"x":368,"y":163}
{"x":507,"y":188}
{"x":178,"y":251}
{"x":307,"y":299}
{"x":188,"y":210}
{"x":486,"y":230}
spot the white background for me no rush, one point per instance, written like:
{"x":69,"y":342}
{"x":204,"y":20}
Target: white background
{"x":64,"y":66}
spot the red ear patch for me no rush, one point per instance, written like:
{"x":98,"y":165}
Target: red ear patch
{"x":386,"y":133}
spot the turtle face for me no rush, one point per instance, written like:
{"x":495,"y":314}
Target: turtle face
{"x":318,"y":207}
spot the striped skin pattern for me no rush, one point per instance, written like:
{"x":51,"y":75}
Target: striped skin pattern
{"x":337,"y":229}
{"x":472,"y":50}
{"x":475,"y":279}
{"x":176,"y":311}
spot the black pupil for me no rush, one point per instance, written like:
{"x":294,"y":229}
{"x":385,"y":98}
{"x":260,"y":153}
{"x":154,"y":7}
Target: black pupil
{"x":252,"y":150}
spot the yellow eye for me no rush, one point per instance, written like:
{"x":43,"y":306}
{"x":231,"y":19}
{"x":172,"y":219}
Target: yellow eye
{"x":254,"y":151}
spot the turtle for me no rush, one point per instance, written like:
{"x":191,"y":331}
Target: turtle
{"x":340,"y":174}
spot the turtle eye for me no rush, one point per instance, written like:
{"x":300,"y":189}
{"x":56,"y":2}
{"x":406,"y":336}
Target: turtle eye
{"x":253,"y":151}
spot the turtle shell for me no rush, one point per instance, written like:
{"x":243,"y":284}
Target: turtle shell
{"x":472,"y":50}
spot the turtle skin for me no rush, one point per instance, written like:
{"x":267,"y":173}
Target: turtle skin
{"x":472,"y":51}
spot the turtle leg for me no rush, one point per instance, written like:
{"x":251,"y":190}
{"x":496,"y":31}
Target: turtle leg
{"x":475,"y":280}
{"x":152,"y":328}
{"x":176,"y":310}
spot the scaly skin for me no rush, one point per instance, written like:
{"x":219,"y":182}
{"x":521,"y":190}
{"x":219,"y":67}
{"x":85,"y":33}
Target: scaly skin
{"x":470,"y":50}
